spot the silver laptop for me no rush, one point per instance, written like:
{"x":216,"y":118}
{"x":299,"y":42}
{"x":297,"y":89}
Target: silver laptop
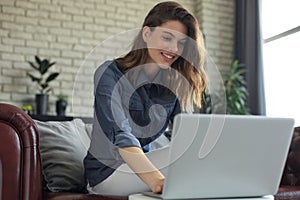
{"x":226,"y":156}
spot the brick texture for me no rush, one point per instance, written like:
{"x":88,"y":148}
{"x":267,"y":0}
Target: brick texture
{"x":216,"y":19}
{"x":80,"y":34}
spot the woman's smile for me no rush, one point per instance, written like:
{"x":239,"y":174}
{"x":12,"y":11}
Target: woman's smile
{"x":170,"y":58}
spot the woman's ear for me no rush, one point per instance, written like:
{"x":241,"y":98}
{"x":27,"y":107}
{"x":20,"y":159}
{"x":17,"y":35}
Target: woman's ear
{"x":146,"y":33}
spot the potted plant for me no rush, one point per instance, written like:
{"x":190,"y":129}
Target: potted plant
{"x":235,"y":90}
{"x":27,"y":109}
{"x":43,"y":79}
{"x":61,"y":105}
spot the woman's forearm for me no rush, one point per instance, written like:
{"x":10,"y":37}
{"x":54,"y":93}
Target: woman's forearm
{"x":142,"y":166}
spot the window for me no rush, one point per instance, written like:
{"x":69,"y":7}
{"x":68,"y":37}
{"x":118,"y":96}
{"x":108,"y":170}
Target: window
{"x":281,"y":55}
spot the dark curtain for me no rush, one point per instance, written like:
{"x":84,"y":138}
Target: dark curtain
{"x":248,"y":50}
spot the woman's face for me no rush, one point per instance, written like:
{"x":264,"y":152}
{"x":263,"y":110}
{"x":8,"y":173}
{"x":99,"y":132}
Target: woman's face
{"x":165,"y":43}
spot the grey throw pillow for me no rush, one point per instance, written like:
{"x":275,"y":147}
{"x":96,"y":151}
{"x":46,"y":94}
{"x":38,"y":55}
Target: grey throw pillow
{"x":63,"y":146}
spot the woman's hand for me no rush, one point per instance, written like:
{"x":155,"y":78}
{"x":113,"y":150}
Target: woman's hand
{"x":142,"y":166}
{"x":154,"y":179}
{"x":158,"y":185}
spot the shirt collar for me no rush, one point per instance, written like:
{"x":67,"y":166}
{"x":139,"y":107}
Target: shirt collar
{"x":143,"y":79}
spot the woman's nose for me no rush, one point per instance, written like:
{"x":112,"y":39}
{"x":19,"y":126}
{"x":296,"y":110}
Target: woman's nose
{"x":173,"y":47}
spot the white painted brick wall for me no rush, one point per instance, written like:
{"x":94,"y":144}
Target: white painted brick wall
{"x":216,"y":18}
{"x":66,"y":31}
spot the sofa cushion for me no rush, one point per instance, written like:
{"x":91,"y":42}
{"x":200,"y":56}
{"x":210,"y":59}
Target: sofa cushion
{"x":63,"y":146}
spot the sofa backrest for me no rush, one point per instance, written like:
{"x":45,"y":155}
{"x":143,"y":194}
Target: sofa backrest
{"x":21,"y":176}
{"x":291,"y":174}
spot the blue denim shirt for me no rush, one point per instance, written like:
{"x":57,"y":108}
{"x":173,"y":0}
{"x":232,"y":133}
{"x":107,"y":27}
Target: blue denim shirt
{"x":130,"y":111}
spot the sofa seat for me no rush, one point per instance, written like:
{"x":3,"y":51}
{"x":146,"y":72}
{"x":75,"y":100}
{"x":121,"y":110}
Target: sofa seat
{"x":288,"y":193}
{"x":73,"y":196}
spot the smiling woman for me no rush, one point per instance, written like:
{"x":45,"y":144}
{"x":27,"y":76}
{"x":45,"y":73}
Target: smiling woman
{"x":137,"y":97}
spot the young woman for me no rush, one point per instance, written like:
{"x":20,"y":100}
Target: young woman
{"x":137,"y":97}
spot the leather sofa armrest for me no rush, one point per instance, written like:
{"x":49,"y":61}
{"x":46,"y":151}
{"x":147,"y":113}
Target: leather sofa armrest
{"x":288,"y":193}
{"x":291,"y":174}
{"x":21,"y":174}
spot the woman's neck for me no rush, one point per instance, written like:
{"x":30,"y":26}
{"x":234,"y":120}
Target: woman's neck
{"x":151,"y":70}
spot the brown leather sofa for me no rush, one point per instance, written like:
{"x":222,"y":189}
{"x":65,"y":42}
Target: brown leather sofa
{"x":20,"y":164}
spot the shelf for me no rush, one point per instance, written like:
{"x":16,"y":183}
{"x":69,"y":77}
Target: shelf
{"x":45,"y":118}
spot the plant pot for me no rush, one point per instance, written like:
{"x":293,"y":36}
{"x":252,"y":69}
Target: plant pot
{"x":61,"y":106}
{"x":41,"y":101}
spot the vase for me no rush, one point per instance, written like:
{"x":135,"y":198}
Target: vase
{"x":41,"y":101}
{"x":61,"y":106}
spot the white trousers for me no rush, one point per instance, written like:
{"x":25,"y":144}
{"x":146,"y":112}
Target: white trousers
{"x":124,"y":181}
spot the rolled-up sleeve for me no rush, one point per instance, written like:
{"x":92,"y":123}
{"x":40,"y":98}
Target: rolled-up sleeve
{"x":109,"y":111}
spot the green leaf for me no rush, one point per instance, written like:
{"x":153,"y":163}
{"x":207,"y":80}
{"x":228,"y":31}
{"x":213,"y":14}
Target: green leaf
{"x":44,"y":66}
{"x":52,"y":77}
{"x":33,"y":66}
{"x":50,"y":64}
{"x":37,"y":59}
{"x":44,"y":85}
{"x":33,"y":78}
{"x":235,"y":63}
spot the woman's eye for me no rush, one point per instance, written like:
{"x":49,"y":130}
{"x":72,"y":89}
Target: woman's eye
{"x":166,"y":38}
{"x":181,"y":44}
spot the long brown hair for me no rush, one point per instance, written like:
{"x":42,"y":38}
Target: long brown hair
{"x":190,"y":64}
